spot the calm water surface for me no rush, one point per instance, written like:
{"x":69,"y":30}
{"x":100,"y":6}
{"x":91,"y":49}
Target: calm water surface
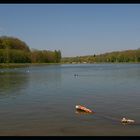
{"x":40,"y":100}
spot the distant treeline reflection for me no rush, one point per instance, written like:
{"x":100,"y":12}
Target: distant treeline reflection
{"x":11,"y":82}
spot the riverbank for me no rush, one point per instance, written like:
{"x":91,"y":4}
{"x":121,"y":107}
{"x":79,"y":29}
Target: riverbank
{"x":17,"y":65}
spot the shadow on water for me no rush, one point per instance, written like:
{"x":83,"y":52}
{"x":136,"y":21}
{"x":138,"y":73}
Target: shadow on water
{"x":79,"y":112}
{"x":11,"y":83}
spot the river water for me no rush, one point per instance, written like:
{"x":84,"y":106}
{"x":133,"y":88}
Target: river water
{"x":40,"y":100}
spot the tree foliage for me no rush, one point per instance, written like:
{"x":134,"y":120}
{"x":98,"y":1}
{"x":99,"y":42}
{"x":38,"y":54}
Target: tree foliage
{"x":45,"y":56}
{"x":111,"y":57}
{"x":13,"y":50}
{"x":13,"y":43}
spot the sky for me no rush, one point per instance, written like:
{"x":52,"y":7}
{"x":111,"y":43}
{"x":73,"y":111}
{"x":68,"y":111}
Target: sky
{"x":75,"y":29}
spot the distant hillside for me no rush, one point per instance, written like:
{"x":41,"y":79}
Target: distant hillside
{"x":110,"y":57}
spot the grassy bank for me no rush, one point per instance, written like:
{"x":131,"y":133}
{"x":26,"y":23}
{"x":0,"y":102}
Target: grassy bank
{"x":18,"y":65}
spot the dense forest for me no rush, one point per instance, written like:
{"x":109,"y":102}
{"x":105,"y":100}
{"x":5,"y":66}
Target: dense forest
{"x":13,"y":50}
{"x":111,"y":57}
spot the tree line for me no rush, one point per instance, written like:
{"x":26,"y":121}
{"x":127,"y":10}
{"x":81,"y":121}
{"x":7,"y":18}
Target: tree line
{"x":14,"y":50}
{"x":110,"y":57}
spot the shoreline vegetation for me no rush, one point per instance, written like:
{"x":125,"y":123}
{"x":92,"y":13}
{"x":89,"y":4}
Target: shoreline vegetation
{"x":18,"y":65}
{"x":16,"y":53}
{"x":13,"y":51}
{"x":126,"y":56}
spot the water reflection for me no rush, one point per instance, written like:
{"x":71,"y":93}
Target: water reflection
{"x":47,"y":94}
{"x":80,"y":112}
{"x":45,"y":77}
{"x":11,"y":83}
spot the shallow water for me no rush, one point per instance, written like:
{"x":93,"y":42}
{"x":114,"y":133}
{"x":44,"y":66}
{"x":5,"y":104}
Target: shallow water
{"x":40,"y":100}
